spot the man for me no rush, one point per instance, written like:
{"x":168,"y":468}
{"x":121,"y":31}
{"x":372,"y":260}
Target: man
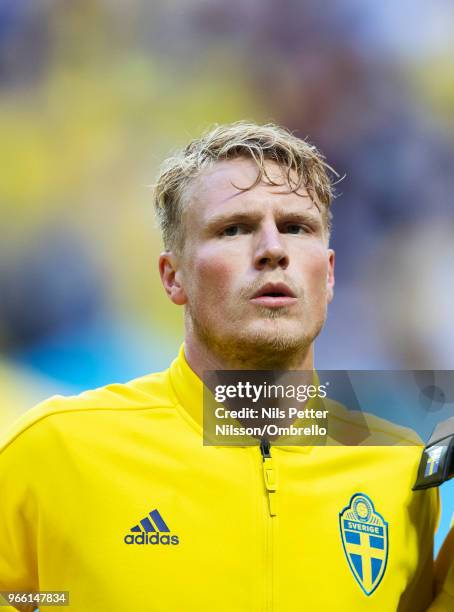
{"x":112,"y":496}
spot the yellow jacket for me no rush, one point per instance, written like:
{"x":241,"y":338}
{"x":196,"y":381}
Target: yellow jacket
{"x":112,"y":496}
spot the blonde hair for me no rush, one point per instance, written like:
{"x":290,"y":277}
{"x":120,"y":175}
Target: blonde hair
{"x":302,"y":163}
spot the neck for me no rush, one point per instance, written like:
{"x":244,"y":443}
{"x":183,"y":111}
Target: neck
{"x":202,"y":358}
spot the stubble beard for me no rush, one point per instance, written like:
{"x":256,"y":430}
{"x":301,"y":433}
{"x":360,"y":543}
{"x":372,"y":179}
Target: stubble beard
{"x":256,"y":349}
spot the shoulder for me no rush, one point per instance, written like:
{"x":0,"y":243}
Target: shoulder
{"x":147,"y":393}
{"x":355,"y":427}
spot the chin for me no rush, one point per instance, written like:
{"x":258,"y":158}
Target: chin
{"x":280,"y":343}
{"x":275,"y":332}
{"x":258,"y":344}
{"x":273,"y":342}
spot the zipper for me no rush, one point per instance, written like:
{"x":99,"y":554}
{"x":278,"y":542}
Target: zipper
{"x":270,"y":481}
{"x":269,"y":476}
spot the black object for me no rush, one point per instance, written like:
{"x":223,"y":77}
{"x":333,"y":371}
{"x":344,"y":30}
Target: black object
{"x":437,"y":461}
{"x":265,"y":448}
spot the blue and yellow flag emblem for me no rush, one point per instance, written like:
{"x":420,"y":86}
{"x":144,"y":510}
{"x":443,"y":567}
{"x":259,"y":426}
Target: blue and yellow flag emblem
{"x":433,"y":456}
{"x":364,"y":535}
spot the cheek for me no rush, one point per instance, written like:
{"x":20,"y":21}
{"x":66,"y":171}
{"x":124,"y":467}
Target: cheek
{"x":214,"y":273}
{"x":316,"y":271}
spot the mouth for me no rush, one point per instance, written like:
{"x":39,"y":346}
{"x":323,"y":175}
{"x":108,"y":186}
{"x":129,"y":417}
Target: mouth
{"x":274,"y":295}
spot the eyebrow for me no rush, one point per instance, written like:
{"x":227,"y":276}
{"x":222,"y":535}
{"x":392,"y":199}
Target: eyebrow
{"x":254,"y":216}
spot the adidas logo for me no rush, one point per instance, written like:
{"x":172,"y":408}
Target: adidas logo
{"x":151,"y":530}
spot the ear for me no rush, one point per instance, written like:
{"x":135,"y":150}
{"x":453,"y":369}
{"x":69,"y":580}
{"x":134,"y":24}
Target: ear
{"x":330,"y":275}
{"x":170,"y":273}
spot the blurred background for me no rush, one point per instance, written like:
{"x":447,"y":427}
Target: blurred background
{"x":95,"y":93}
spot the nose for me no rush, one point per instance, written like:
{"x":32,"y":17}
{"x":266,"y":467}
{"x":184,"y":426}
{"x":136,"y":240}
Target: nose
{"x":270,"y":251}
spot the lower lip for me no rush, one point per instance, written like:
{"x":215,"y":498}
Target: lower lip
{"x":274,"y":302}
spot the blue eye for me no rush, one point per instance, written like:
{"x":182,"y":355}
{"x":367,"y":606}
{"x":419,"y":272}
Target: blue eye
{"x":296,"y":228}
{"x":233,"y":230}
{"x":230,"y":231}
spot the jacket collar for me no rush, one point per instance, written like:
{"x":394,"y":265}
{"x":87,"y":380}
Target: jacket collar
{"x":189,"y":390}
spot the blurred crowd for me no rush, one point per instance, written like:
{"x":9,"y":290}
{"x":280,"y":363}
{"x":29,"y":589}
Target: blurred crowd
{"x":95,"y":93}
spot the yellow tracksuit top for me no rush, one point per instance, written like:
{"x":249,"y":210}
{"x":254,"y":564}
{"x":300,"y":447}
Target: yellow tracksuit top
{"x":112,"y":496}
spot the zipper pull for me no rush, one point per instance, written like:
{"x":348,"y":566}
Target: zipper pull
{"x":265,"y":448}
{"x":269,"y":476}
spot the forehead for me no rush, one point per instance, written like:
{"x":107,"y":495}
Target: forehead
{"x":219,"y":188}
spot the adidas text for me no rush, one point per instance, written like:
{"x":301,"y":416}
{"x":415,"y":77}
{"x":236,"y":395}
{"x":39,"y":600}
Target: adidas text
{"x":153,"y":538}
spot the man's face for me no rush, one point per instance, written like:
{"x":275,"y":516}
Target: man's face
{"x":256,"y":273}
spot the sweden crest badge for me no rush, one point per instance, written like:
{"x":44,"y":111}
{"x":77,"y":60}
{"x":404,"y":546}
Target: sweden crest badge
{"x":364,"y":535}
